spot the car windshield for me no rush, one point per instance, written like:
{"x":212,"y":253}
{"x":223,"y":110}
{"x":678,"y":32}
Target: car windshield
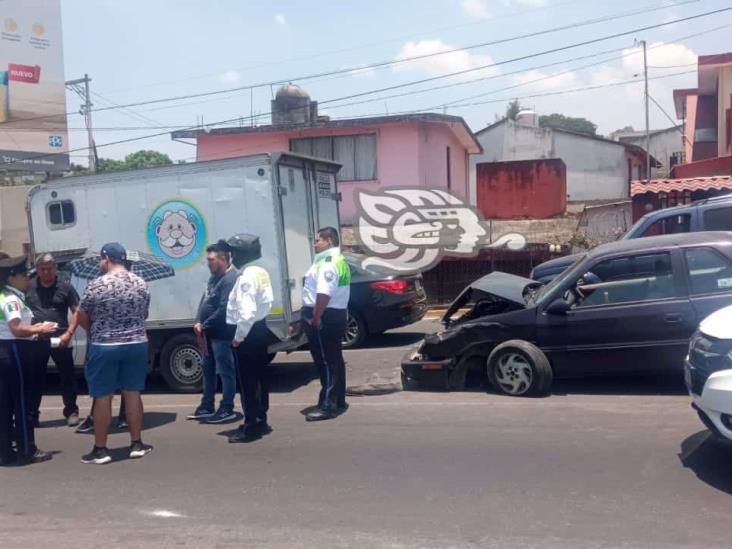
{"x":539,"y":294}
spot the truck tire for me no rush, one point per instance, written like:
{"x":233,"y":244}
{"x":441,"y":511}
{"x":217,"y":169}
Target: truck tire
{"x":519,"y":368}
{"x":180,"y":364}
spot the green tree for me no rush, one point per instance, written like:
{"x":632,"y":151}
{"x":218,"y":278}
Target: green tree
{"x":146,"y":159}
{"x":569,"y":123}
{"x":513,"y":108}
{"x":133,"y":161}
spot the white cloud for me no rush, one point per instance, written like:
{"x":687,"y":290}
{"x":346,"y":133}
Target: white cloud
{"x":437,"y":65}
{"x":537,"y":81}
{"x":476,"y":8}
{"x":280,"y":19}
{"x":230,"y":77}
{"x":659,"y":55}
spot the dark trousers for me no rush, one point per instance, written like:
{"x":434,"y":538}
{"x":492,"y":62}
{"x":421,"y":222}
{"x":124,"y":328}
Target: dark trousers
{"x":18,"y":391}
{"x":327,"y":352}
{"x":252,"y":359}
{"x":63,"y":358}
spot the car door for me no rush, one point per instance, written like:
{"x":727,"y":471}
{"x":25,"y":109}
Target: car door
{"x":628,"y":313}
{"x":709,"y":275}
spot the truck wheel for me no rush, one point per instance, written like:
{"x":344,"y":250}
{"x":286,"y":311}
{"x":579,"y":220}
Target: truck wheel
{"x":519,"y":368}
{"x":180,"y":364}
{"x":356,"y":331}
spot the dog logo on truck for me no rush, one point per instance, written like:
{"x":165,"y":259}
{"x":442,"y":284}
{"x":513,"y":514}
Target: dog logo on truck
{"x":176,"y":231}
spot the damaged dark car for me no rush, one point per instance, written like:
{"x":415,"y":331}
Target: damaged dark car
{"x":625,"y":307}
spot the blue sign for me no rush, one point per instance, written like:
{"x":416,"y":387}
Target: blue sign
{"x":176,"y":232}
{"x":55,"y":141}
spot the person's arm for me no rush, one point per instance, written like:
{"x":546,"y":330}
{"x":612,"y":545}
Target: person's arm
{"x":244,"y":306}
{"x":65,"y":338}
{"x":83,"y":319}
{"x":19,"y":329}
{"x":327,"y":282}
{"x":226,"y":284}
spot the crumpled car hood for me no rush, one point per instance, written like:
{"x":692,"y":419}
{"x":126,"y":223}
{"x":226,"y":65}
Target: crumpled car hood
{"x":501,"y":285}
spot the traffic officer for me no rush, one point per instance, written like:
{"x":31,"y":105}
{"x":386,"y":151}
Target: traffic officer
{"x":19,"y":388}
{"x":250,"y":301}
{"x":326,"y":291}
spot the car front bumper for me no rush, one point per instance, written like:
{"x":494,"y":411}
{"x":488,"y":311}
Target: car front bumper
{"x":426,"y":373}
{"x":713,"y":401}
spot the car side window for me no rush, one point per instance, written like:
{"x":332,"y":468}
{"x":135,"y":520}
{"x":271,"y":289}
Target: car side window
{"x":625,"y":280}
{"x":709,"y":271}
{"x":718,"y":219}
{"x":669,"y":225}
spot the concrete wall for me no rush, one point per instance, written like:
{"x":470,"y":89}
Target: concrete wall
{"x":434,"y":140}
{"x":13,"y":219}
{"x":407,"y":154}
{"x":522,"y":189}
{"x":596,"y":169}
{"x":663,"y":145}
{"x":689,"y":125}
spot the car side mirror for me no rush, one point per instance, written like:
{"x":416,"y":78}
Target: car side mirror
{"x":558,"y":307}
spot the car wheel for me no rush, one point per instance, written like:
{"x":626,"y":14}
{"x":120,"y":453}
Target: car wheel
{"x":519,"y":368}
{"x":181,"y":364}
{"x":356,"y":332}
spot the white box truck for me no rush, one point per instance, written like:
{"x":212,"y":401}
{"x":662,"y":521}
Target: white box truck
{"x":174,"y":212}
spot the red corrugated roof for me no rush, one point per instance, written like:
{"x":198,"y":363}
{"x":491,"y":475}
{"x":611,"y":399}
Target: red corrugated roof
{"x":689,"y":184}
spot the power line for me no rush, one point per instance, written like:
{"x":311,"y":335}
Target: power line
{"x":435,"y":54}
{"x":674,"y":122}
{"x":521,"y":58}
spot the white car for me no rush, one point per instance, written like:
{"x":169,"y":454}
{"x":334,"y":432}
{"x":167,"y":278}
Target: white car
{"x":708,"y":372}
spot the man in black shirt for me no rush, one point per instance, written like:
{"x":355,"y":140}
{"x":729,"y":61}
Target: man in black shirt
{"x":51,"y":299}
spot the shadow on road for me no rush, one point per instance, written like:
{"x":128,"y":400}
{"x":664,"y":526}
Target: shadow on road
{"x":709,"y":459}
{"x":671,"y":385}
{"x":286,"y":377}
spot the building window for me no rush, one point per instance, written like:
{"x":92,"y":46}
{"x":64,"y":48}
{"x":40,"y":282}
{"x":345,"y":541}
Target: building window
{"x":663,"y":200}
{"x":356,"y":154}
{"x":60,"y":214}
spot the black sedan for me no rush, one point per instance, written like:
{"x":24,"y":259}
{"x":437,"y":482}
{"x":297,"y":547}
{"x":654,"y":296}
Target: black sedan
{"x":381,"y":302}
{"x":626,"y":307}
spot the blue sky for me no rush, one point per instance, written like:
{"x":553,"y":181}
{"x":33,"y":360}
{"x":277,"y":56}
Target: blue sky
{"x":137,"y":51}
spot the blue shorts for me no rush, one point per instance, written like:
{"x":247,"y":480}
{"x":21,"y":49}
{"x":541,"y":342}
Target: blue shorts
{"x":116,"y":367}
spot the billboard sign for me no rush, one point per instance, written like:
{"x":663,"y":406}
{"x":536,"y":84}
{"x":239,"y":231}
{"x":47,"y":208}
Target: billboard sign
{"x":33,"y":134}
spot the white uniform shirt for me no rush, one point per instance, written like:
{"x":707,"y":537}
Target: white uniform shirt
{"x":323,"y":278}
{"x":250,"y":300}
{"x":12,"y":306}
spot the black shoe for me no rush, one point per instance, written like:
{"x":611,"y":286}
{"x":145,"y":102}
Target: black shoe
{"x":201,"y":413}
{"x":122,"y":424}
{"x":342,"y":408}
{"x":139,"y":449}
{"x":87,"y":426}
{"x":38,"y":456}
{"x":9,"y":459}
{"x":221,"y":416}
{"x":320,"y":415}
{"x":98,"y":456}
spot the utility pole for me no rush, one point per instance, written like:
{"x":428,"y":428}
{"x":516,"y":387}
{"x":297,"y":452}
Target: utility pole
{"x":648,"y":131}
{"x":81,"y":87}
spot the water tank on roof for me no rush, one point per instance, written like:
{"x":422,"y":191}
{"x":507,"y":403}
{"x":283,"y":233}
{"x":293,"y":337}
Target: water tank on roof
{"x":291,"y":105}
{"x":527,"y":117}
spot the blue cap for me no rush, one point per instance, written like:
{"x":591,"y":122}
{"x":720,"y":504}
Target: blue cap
{"x":114,"y":251}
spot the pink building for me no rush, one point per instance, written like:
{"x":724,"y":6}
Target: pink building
{"x":429,"y":150}
{"x":706,"y":109}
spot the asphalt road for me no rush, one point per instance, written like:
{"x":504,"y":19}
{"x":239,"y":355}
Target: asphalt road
{"x":600,"y":463}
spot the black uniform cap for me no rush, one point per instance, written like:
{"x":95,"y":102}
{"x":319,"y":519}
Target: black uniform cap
{"x":244,"y":248}
{"x":13,"y":265}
